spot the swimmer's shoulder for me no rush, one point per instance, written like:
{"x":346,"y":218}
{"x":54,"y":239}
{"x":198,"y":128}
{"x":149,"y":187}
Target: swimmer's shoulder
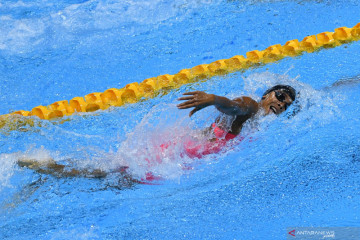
{"x":248,"y":103}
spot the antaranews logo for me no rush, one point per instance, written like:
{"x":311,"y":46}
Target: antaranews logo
{"x":321,"y":233}
{"x":292,"y":233}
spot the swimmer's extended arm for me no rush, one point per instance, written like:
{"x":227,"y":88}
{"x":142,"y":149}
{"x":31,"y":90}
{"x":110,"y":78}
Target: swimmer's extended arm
{"x":199,"y":100}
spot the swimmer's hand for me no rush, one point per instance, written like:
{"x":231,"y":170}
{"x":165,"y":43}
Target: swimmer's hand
{"x":198,"y":100}
{"x":242,"y":106}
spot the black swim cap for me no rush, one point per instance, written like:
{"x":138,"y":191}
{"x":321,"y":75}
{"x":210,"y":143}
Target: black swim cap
{"x":286,"y":88}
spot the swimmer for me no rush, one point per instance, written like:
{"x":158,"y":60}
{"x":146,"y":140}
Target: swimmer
{"x":275,"y":100}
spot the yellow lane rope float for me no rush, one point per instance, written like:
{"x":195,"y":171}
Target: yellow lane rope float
{"x":148,"y":88}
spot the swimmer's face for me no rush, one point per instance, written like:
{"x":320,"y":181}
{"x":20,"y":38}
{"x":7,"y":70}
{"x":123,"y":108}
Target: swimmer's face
{"x":275,"y":102}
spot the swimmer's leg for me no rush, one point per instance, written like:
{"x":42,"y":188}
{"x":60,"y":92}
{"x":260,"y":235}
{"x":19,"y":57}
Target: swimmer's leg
{"x":59,"y":170}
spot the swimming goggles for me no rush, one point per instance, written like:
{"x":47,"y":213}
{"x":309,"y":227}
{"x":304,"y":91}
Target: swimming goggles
{"x":281,"y":96}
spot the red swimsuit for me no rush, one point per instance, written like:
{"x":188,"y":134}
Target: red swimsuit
{"x":194,"y":148}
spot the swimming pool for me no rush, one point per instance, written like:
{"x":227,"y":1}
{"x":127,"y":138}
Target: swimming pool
{"x":299,"y":171}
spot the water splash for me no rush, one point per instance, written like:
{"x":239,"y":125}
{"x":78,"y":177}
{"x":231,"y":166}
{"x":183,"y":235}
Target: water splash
{"x":31,"y":26}
{"x":9,"y":162}
{"x":156,"y":143}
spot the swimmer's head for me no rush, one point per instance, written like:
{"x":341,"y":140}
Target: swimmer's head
{"x":277,"y":99}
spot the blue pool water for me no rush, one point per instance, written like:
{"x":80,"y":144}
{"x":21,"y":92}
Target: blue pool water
{"x":289,"y":171}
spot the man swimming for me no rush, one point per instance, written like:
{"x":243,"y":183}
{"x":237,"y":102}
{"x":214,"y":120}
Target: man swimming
{"x":275,"y":100}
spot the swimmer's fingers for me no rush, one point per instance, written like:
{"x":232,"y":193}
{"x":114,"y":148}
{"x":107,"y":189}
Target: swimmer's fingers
{"x":192,"y":93}
{"x":185,"y":98}
{"x":188,"y":104}
{"x":195,"y":110}
{"x":188,"y":100}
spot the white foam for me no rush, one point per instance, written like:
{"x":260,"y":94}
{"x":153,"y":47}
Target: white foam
{"x":40,"y":155}
{"x":21,"y":35}
{"x":7,"y":164}
{"x":59,"y":24}
{"x":78,"y":233}
{"x":142,"y":151}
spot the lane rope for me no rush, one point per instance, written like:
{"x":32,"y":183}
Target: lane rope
{"x":149,"y":87}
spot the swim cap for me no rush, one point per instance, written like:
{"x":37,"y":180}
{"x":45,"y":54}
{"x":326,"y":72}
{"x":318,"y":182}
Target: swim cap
{"x":286,"y":88}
